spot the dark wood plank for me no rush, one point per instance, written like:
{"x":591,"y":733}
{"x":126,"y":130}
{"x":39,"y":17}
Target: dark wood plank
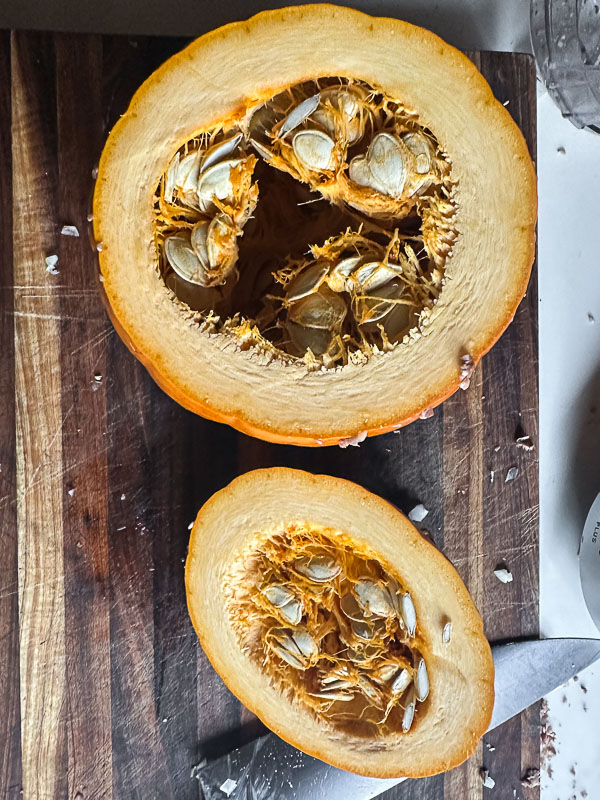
{"x":10,"y":720}
{"x":501,"y":403}
{"x":463,"y":511}
{"x":511,"y":514}
{"x":172,"y":488}
{"x":222,"y":721}
{"x":84,"y":332}
{"x":138,"y":757}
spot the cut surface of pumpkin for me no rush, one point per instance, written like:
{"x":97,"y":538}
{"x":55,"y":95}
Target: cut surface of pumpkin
{"x":310,"y":246}
{"x":329,"y":615}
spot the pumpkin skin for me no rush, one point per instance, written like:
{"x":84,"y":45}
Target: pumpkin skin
{"x":216,"y":78}
{"x":461,"y":673}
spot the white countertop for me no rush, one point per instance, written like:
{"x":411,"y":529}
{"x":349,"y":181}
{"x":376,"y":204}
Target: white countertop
{"x":569,"y":337}
{"x":569,"y":291}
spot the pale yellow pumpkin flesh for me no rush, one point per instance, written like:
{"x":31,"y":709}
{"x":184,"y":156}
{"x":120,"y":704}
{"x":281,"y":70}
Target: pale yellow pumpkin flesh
{"x":337,"y":229}
{"x":327,"y":613}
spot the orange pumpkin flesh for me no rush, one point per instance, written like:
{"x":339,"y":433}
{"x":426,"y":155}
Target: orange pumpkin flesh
{"x":328,"y":614}
{"x":472,"y":265}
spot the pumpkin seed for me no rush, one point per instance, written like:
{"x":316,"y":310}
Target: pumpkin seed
{"x":408,"y":717}
{"x":292,"y":611}
{"x":286,"y":656}
{"x":319,"y":310}
{"x":447,"y":633}
{"x":171,"y":178}
{"x":373,"y":306}
{"x":351,"y":608}
{"x":319,"y":569}
{"x":261,"y":149}
{"x":346,"y":102}
{"x":418,"y":146}
{"x":343,"y":696}
{"x":299,"y":114}
{"x":314,"y":149}
{"x":394,"y":593}
{"x":385,"y":673}
{"x":306,"y":282}
{"x":422,"y":681}
{"x":368,"y":631}
{"x":360,"y":173}
{"x":371,"y":692}
{"x":221,"y":240}
{"x":304,"y":642}
{"x":374,"y":599}
{"x":374,"y":274}
{"x":297,"y":644}
{"x":316,"y":340}
{"x":401,"y":682}
{"x":363,"y":631}
{"x":347,"y":99}
{"x":219,"y":151}
{"x":396,"y":321}
{"x":409,"y":614}
{"x":183,"y":259}
{"x":386,"y":163}
{"x":422,"y":163}
{"x":187,"y":172}
{"x":198,"y":241}
{"x":216,"y":182}
{"x":338,"y":279}
{"x":359,"y":656}
{"x":331,"y":684}
{"x":278,"y":595}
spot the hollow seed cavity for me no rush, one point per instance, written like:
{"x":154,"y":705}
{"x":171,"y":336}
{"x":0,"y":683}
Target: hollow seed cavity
{"x":331,"y":627}
{"x":329,"y":282}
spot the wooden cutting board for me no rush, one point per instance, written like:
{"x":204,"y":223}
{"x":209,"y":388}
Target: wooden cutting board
{"x":104,"y":691}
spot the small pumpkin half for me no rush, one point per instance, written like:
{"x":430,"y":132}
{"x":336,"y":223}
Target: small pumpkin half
{"x":331,"y":618}
{"x":312,"y":236}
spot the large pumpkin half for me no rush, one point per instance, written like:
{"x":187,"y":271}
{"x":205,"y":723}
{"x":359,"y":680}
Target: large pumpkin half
{"x":313,"y":224}
{"x":328,"y":614}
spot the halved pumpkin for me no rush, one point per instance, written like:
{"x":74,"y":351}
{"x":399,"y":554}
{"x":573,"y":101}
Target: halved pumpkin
{"x":314,"y":236}
{"x":328,"y":615}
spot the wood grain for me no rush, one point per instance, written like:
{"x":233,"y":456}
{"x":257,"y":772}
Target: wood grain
{"x":104,"y":689}
{"x":10,"y":718}
{"x":83,"y":333}
{"x":39,"y":420}
{"x":511,"y":510}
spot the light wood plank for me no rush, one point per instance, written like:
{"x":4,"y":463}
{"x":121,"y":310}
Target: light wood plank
{"x":39,"y":443}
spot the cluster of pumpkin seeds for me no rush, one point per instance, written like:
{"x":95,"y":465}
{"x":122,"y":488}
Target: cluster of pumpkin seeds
{"x":206,"y":197}
{"x":334,"y":628}
{"x":364,"y":289}
{"x":352,"y":294}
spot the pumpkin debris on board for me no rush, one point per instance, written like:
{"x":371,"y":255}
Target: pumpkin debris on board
{"x":327,"y":613}
{"x":308,"y":236}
